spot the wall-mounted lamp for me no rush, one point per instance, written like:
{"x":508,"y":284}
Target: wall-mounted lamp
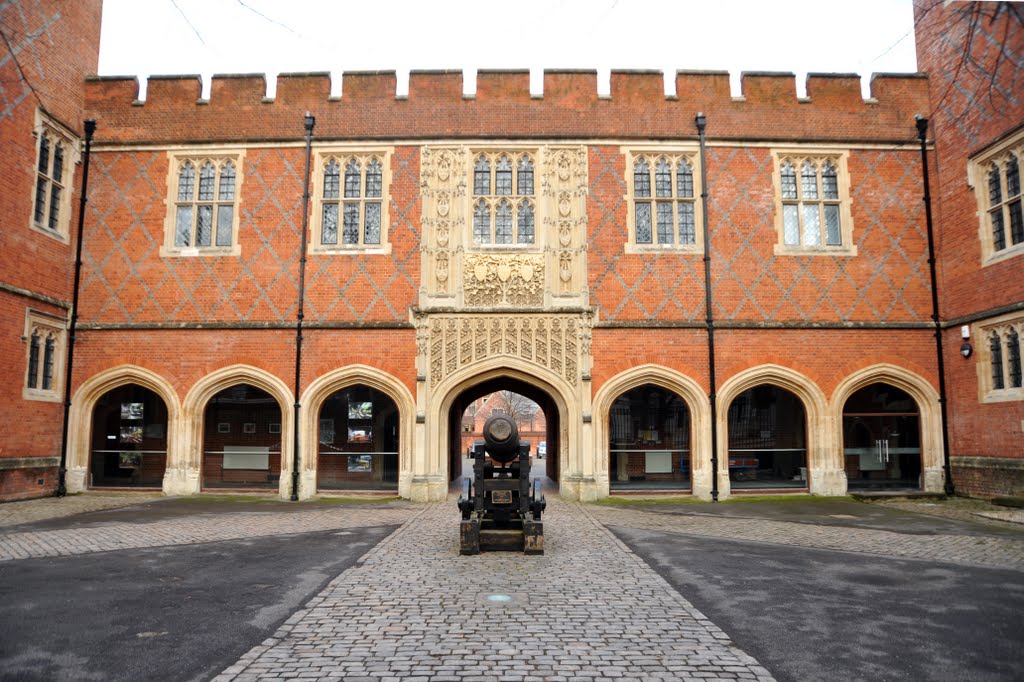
{"x":966,"y":349}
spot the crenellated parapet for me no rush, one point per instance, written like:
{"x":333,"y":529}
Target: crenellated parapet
{"x":570,"y":106}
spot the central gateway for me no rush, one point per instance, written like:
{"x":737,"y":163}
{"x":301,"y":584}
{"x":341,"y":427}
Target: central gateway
{"x":503,"y":296}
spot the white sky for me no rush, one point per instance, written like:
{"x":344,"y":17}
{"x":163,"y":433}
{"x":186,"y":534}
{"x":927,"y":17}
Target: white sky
{"x":229,"y":36}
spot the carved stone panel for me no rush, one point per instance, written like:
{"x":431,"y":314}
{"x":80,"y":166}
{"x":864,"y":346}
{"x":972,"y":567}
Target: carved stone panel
{"x":559,"y":343}
{"x":503,"y":279}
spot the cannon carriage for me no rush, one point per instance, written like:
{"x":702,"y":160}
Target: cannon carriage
{"x":501,"y":508}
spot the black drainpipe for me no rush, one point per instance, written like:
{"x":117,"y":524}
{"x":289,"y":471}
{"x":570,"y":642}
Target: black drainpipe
{"x":922,"y":135}
{"x":62,"y":488}
{"x":701,"y":122}
{"x":310,"y":121}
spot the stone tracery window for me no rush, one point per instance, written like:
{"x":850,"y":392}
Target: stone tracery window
{"x":664,"y":212}
{"x":996,"y":179}
{"x":1000,"y":359}
{"x":56,"y":154}
{"x":813,"y":213}
{"x":203,"y":205}
{"x":503,"y":204}
{"x":45,"y":337}
{"x":350,"y":201}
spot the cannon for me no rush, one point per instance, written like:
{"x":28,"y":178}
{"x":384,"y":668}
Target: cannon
{"x":500,"y":507}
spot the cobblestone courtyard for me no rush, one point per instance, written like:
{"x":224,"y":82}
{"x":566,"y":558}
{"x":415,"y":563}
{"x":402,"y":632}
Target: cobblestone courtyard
{"x":412,"y":608}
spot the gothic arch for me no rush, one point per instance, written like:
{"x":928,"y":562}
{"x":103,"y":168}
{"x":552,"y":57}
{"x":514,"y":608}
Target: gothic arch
{"x":927,"y":399}
{"x":326,"y":385}
{"x":194,"y":407}
{"x":432,"y":465}
{"x":825,"y":474}
{"x":84,"y":402}
{"x":696,"y":402}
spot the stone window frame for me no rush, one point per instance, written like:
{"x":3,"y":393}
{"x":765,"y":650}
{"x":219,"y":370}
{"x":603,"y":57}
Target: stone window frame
{"x":492,"y":200}
{"x":322,"y":157}
{"x":219,"y":157}
{"x":672,"y":154}
{"x":60,"y":137}
{"x":797,"y":156}
{"x":979,"y":172}
{"x":1001,"y":328}
{"x":43,"y":328}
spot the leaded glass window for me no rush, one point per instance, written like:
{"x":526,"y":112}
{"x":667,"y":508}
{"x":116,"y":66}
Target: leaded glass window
{"x":504,"y":212}
{"x":811,"y":215}
{"x":1005,"y":208}
{"x":481,"y":223}
{"x":351,"y":201}
{"x":204,"y":211}
{"x":33,"y":361}
{"x":48,"y":351}
{"x":668,"y":217}
{"x":996,"y":353}
{"x":50,"y":182}
{"x":1013,"y":358}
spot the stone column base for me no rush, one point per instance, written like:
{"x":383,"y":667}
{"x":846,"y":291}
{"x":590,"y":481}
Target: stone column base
{"x":827,"y":482}
{"x":428,"y":489}
{"x":580,"y":489}
{"x":181,"y":481}
{"x":75,"y":478}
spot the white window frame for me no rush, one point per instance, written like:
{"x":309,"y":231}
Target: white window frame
{"x":198,"y":158}
{"x":492,"y":199}
{"x":45,"y":325}
{"x":322,"y":156}
{"x":817,"y":157}
{"x":981,"y":335}
{"x":57,"y":134}
{"x":673,"y":155}
{"x":978,"y":169}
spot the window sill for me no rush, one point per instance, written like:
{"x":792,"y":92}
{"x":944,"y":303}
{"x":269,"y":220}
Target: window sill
{"x":40,"y":395}
{"x":351,"y":250}
{"x":205,"y":252}
{"x":1007,"y":395}
{"x":1003,"y":254}
{"x":523,"y":248}
{"x":59,"y":235}
{"x":680,"y":249}
{"x":842,"y":251}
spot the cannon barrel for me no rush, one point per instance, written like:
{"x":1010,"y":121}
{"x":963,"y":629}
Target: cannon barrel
{"x":501,"y":437}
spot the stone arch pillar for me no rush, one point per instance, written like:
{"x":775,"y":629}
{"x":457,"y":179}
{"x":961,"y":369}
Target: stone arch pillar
{"x":696,"y":402}
{"x":194,"y":407}
{"x":322,"y":388}
{"x":824,"y":471}
{"x":80,"y":420}
{"x":927,"y":399}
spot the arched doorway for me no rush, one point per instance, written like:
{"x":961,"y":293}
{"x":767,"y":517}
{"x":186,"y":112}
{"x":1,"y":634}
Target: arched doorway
{"x":649,"y":440}
{"x":242,"y":439}
{"x":546,"y":466}
{"x":357,"y":444}
{"x":767,"y":439}
{"x":882,"y":439}
{"x":129,"y":439}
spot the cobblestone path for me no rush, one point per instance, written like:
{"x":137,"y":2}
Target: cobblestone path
{"x":413,"y":609}
{"x":194,"y":529}
{"x":28,"y":511}
{"x":990,"y":551}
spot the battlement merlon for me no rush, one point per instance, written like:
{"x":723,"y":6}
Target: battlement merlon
{"x":238,"y":109}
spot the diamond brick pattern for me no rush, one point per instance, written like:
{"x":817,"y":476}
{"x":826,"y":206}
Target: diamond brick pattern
{"x":22,"y":31}
{"x":633,"y":286}
{"x":885,"y":282}
{"x":125,"y":279}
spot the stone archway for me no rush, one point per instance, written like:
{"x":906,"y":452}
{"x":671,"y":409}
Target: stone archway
{"x":927,"y":399}
{"x":825,"y":475}
{"x":328,"y":384}
{"x":80,"y":419}
{"x":193,"y":410}
{"x":680,"y":384}
{"x":576,"y":477}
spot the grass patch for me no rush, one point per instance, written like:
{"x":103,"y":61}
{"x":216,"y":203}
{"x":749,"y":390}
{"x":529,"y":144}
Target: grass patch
{"x":249,"y":499}
{"x":357,"y":500}
{"x":633,"y":501}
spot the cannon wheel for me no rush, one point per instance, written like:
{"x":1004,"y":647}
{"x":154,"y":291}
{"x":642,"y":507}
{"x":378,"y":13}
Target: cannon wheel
{"x":537,"y":501}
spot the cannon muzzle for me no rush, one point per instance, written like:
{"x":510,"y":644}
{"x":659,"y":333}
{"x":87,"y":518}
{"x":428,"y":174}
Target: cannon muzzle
{"x":502,"y":438}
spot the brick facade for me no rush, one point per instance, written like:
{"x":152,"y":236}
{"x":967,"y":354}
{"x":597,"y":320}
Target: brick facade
{"x":580,"y":316}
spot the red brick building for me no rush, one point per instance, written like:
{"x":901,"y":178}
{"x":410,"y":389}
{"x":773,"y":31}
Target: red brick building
{"x":452,"y":247}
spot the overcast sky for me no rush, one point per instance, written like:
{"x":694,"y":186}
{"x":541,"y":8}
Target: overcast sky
{"x":273,"y":36}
